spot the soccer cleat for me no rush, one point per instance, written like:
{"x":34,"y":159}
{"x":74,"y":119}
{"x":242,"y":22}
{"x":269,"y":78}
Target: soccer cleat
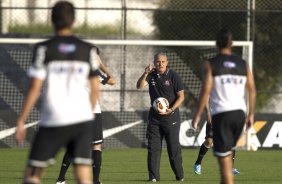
{"x":235,"y":171}
{"x":97,"y":182}
{"x":197,"y":169}
{"x":61,"y":182}
{"x":153,"y":180}
{"x":182,"y":179}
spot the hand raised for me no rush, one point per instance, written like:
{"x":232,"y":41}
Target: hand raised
{"x":148,"y":69}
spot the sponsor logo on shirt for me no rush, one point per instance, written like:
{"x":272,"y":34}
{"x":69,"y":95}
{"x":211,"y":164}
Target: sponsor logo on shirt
{"x":232,"y":80}
{"x":67,"y":48}
{"x":167,"y":83}
{"x":229,"y":64}
{"x":66,"y":69}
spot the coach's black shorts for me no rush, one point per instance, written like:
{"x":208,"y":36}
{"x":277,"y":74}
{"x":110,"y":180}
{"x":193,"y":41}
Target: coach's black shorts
{"x":97,"y":130}
{"x":49,"y":140}
{"x":208,"y":131}
{"x":227,"y":128}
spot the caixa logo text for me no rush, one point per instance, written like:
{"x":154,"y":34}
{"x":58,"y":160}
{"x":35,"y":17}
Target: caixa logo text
{"x":265,"y":134}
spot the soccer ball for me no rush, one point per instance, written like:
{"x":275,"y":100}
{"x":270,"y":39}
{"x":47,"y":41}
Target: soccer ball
{"x":161,"y":105}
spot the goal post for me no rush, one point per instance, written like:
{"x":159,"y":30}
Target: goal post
{"x":247,"y":45}
{"x":126,"y":60}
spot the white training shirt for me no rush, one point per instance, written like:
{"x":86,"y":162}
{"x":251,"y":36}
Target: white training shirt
{"x":65,"y":64}
{"x":229,"y":84}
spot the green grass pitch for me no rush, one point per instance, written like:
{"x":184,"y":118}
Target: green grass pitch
{"x":128,"y":166}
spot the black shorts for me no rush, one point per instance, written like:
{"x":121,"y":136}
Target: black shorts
{"x":227,"y":128}
{"x":97,"y":130}
{"x":49,"y":140}
{"x":208,"y":130}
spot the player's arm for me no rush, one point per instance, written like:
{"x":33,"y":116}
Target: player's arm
{"x":108,"y":79}
{"x":251,"y":98}
{"x":142,"y":81}
{"x":178,"y":102}
{"x":208,"y":112}
{"x":94,"y":81}
{"x":179,"y":90}
{"x":205,"y":92}
{"x":32,"y":96}
{"x":94,"y":90}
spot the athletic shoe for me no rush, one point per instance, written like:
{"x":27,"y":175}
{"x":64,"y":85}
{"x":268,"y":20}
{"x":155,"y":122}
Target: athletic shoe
{"x":235,"y":171}
{"x":197,"y":169}
{"x":97,"y":182}
{"x":153,"y":180}
{"x":61,"y":182}
{"x":182,"y":179}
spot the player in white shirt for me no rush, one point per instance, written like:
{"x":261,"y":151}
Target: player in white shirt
{"x":62,"y":66}
{"x":227,"y":78}
{"x":97,"y":140}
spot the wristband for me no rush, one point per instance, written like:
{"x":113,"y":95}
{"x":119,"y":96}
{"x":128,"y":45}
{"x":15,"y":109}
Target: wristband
{"x":104,"y":81}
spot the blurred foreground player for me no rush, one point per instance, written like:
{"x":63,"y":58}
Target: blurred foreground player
{"x":63,"y":65}
{"x":105,"y":78}
{"x":227,"y":79}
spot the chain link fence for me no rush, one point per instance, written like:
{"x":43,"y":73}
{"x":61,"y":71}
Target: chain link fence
{"x":259,"y":21}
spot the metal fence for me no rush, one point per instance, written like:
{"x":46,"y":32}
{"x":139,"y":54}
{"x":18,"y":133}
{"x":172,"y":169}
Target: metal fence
{"x":259,"y":21}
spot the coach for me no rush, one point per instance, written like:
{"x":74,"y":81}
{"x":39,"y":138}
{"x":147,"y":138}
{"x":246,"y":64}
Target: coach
{"x":163,"y":82}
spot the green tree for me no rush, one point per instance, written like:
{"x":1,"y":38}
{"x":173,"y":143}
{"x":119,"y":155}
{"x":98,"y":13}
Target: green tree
{"x":200,"y":20}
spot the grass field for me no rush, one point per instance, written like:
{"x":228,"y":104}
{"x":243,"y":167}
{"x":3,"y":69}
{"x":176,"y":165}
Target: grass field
{"x":128,"y":166}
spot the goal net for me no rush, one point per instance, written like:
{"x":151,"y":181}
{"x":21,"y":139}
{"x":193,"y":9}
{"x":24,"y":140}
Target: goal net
{"x":122,"y":103}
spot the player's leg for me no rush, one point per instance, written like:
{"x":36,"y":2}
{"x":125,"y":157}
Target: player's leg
{"x":225,"y":167}
{"x":234,"y":170}
{"x":42,"y":153}
{"x":79,"y":148}
{"x":171,"y":130}
{"x":226,"y":132}
{"x":202,"y":152}
{"x":64,"y":167}
{"x":97,"y":148}
{"x":204,"y":149}
{"x":233,"y":156}
{"x":155,"y":137}
{"x":238,"y":129}
{"x":83,"y":173}
{"x":33,"y":175}
{"x":97,"y":162}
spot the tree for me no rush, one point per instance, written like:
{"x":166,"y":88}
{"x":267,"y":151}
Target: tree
{"x":200,"y":20}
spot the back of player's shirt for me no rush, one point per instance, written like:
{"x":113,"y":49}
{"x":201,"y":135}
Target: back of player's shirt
{"x":229,"y":76}
{"x":65,"y":64}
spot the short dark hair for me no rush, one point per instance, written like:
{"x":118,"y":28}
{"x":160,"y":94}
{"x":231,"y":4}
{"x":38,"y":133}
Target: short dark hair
{"x":63,"y":15}
{"x":223,"y":38}
{"x":156,"y":56}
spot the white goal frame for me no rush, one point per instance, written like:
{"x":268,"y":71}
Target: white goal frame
{"x":247,"y":48}
{"x":247,"y":45}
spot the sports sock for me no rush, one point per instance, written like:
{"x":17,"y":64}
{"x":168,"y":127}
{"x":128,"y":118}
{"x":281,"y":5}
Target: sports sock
{"x":97,"y":161}
{"x":64,"y":167}
{"x":233,"y":157}
{"x":202,"y":152}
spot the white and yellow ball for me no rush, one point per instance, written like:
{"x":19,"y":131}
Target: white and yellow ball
{"x":161,"y":105}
